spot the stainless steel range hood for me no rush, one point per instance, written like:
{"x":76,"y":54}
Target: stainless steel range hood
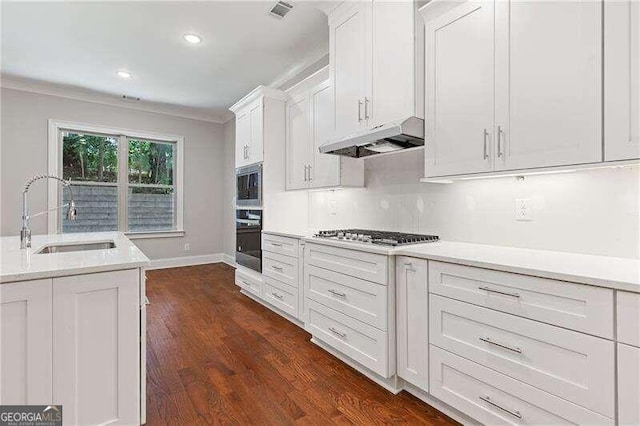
{"x":396,"y":136}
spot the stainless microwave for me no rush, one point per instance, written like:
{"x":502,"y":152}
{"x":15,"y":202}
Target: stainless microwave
{"x":249,"y":186}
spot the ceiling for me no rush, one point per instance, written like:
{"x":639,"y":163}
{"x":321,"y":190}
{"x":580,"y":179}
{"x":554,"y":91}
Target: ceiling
{"x":83,"y":44}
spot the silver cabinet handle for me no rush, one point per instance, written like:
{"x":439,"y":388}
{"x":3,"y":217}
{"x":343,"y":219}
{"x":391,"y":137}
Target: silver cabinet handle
{"x":408,"y":264}
{"x":499,"y":141}
{"x":486,"y":150}
{"x":334,"y":331}
{"x":276,"y":244}
{"x":277,"y":268}
{"x":500,"y":345}
{"x":337,"y":293}
{"x":366,"y":108}
{"x":359,"y":110}
{"x":504,"y":293}
{"x":305,"y":172}
{"x":279,"y":296}
{"x":514,"y":413}
{"x":245,"y":283}
{"x":309,"y":168}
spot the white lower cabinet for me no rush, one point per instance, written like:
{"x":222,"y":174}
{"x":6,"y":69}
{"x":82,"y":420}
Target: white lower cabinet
{"x":571,"y":365}
{"x":95,"y":356}
{"x":628,"y":385}
{"x":412,"y":298}
{"x":494,"y":398}
{"x":26,"y":343}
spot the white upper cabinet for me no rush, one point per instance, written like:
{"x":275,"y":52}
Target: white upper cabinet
{"x":250,"y":125}
{"x":459,"y":88}
{"x":512,"y":85}
{"x":309,"y":124}
{"x":373,"y":63}
{"x":548,"y":83}
{"x":621,"y":80}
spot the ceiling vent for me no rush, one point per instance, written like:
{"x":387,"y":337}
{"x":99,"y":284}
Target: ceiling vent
{"x":280,"y":9}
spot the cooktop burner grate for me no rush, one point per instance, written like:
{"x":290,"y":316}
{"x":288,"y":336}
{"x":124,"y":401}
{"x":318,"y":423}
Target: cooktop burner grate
{"x":377,"y":237}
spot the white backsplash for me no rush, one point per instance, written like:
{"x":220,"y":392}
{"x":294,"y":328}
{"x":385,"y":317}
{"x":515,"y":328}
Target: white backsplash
{"x":593,"y":212}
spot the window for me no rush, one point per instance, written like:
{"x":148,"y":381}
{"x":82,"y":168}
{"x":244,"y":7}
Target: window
{"x":121,"y":180}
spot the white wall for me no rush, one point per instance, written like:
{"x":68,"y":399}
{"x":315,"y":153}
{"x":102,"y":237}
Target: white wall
{"x":593,"y":212}
{"x":25,"y":118}
{"x":229,"y":191}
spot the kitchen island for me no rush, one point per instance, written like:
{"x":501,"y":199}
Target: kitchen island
{"x":72,"y":326}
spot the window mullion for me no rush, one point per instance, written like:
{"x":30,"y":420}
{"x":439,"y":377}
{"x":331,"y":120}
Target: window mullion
{"x":123,"y":180}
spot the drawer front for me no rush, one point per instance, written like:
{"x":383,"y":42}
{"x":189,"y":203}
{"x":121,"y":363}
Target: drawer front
{"x":280,"y":267}
{"x":248,"y":283}
{"x":569,"y":305}
{"x":628,"y":385}
{"x":359,"y":299}
{"x":359,"y":264}
{"x":628,"y":318}
{"x":493,"y":398}
{"x":281,"y":296}
{"x":281,"y":245}
{"x":568,"y":364}
{"x":365,"y":344}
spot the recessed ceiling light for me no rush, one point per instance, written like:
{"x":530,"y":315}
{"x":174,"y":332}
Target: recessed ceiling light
{"x":192,"y":38}
{"x":124,"y":74}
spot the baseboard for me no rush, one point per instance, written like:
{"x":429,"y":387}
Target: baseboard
{"x":176,"y":262}
{"x":229,"y":260}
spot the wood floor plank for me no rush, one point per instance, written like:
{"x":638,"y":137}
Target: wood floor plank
{"x":217,"y":357}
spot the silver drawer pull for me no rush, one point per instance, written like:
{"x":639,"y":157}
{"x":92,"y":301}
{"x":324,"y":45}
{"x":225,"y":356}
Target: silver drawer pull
{"x":279,"y":296}
{"x":277,"y":268}
{"x":245,"y":283}
{"x":493,"y":290}
{"x":337,"y":293}
{"x":276,"y":244}
{"x":514,"y":413}
{"x":500,"y":345}
{"x":334,"y":331}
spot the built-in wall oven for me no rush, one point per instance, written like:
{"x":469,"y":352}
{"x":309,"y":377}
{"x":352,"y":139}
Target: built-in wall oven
{"x":249,"y":186}
{"x":249,"y":238}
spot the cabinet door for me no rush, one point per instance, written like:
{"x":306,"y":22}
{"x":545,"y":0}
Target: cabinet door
{"x":256,"y":134}
{"x":96,"y":348}
{"x":548,"y":83}
{"x":459,"y":90}
{"x":298,"y":141}
{"x":350,"y":55}
{"x":242,"y":138}
{"x":628,"y":385}
{"x":325,"y":169}
{"x":621,"y":80}
{"x":25,"y":343}
{"x":412,"y":297}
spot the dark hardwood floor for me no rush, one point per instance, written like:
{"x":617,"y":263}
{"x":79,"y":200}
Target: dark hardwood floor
{"x":216,"y":357}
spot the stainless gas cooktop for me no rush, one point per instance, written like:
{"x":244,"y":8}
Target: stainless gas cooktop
{"x":377,"y":237}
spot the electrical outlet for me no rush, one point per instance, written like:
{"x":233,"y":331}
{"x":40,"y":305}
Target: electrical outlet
{"x":333,"y":208}
{"x":187,"y":247}
{"x":524,"y":209}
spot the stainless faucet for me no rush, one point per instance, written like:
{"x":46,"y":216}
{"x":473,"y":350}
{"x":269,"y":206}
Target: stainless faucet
{"x":25,"y":232}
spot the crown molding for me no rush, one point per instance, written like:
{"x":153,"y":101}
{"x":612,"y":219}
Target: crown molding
{"x":88,"y":95}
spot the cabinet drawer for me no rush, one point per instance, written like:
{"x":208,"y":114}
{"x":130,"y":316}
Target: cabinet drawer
{"x":568,"y":364}
{"x":249,"y":283}
{"x":281,"y":245}
{"x":360,"y":299}
{"x":628,"y":385}
{"x":569,"y":305}
{"x":493,"y":398}
{"x":281,"y":295}
{"x":281,"y":268}
{"x":359,"y":341}
{"x":359,"y":264}
{"x":628,"y":317}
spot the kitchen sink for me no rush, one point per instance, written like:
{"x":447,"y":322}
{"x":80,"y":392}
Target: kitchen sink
{"x":63,"y":248}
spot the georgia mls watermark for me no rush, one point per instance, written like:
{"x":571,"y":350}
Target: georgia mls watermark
{"x":30,"y":415}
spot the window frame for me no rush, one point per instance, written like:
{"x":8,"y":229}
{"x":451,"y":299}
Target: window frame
{"x":56,"y":127}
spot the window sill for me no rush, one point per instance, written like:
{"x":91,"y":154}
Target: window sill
{"x":154,"y":234}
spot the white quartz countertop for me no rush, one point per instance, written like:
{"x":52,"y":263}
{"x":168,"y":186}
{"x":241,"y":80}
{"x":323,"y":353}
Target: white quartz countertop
{"x":21,"y":265}
{"x":611,"y":272}
{"x":289,"y":234}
